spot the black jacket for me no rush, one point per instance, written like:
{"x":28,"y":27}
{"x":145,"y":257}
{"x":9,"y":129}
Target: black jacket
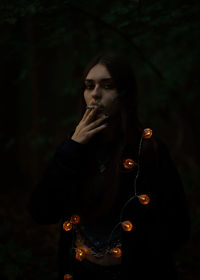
{"x":160,"y":228}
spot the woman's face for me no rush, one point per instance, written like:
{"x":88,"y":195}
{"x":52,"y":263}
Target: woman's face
{"x":100,"y":90}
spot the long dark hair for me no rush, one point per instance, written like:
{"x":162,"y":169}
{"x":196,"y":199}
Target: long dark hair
{"x":130,"y":127}
{"x":125,"y":82}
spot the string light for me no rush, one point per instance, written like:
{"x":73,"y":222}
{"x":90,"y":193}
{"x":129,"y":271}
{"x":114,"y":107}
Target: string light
{"x":67,"y":277}
{"x":67,"y":226}
{"x":129,"y":164}
{"x":144,"y":199}
{"x":116,"y":252}
{"x":147,"y":133}
{"x":80,"y":254}
{"x":75,"y":219}
{"x":127,"y":226}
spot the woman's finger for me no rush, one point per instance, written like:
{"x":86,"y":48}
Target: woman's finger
{"x":96,"y":130}
{"x":97,"y":122}
{"x":92,"y":114}
{"x":89,"y":109}
{"x":87,"y":112}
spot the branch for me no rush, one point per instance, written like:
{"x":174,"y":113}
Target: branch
{"x":123,"y":35}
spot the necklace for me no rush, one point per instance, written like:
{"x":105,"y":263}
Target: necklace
{"x":102,"y":165}
{"x":103,"y":159}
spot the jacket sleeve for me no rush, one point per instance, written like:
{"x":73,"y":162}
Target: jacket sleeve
{"x":173,"y":203}
{"x":50,"y":198}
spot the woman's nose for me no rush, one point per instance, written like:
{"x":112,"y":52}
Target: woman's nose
{"x":96,"y":93}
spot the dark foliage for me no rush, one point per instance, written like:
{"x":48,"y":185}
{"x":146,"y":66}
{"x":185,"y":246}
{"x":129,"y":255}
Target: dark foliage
{"x":44,"y":47}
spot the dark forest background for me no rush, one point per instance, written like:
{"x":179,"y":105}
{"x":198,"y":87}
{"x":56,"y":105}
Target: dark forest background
{"x":44,"y":48}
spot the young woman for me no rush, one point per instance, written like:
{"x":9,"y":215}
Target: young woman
{"x":112,"y":186}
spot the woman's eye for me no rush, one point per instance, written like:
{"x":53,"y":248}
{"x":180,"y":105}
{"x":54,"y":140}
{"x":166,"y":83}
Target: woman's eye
{"x":89,"y":86}
{"x":105,"y":86}
{"x":108,"y":86}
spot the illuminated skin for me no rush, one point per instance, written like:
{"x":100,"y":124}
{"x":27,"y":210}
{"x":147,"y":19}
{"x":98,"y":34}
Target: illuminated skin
{"x":100,"y":92}
{"x":100,"y":89}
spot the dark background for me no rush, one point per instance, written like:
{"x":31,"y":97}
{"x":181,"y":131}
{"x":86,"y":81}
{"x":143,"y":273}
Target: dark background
{"x":44,"y":48}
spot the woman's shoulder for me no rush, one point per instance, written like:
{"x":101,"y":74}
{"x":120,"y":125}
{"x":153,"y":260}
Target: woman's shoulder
{"x":162,"y":146}
{"x":164,"y":153}
{"x":154,"y":150}
{"x":157,"y":142}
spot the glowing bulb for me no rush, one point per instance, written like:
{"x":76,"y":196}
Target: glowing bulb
{"x":116,"y":252}
{"x":129,"y":163}
{"x":67,"y":277}
{"x":80,"y":254}
{"x":144,"y":199}
{"x":127,"y":225}
{"x":75,"y":219}
{"x":147,"y":133}
{"x":67,"y":226}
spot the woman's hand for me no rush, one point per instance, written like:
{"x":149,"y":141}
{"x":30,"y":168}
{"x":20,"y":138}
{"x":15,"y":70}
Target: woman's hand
{"x":89,"y":125}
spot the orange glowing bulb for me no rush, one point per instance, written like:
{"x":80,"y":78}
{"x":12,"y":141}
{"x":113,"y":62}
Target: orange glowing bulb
{"x":67,"y":277}
{"x":144,"y":199}
{"x":67,"y":226}
{"x":116,"y":252}
{"x":80,"y":254}
{"x":129,"y":163}
{"x":127,"y":225}
{"x":147,"y":133}
{"x":75,"y":219}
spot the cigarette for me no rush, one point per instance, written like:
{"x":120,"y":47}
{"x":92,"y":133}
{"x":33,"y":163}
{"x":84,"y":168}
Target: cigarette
{"x":91,"y":106}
